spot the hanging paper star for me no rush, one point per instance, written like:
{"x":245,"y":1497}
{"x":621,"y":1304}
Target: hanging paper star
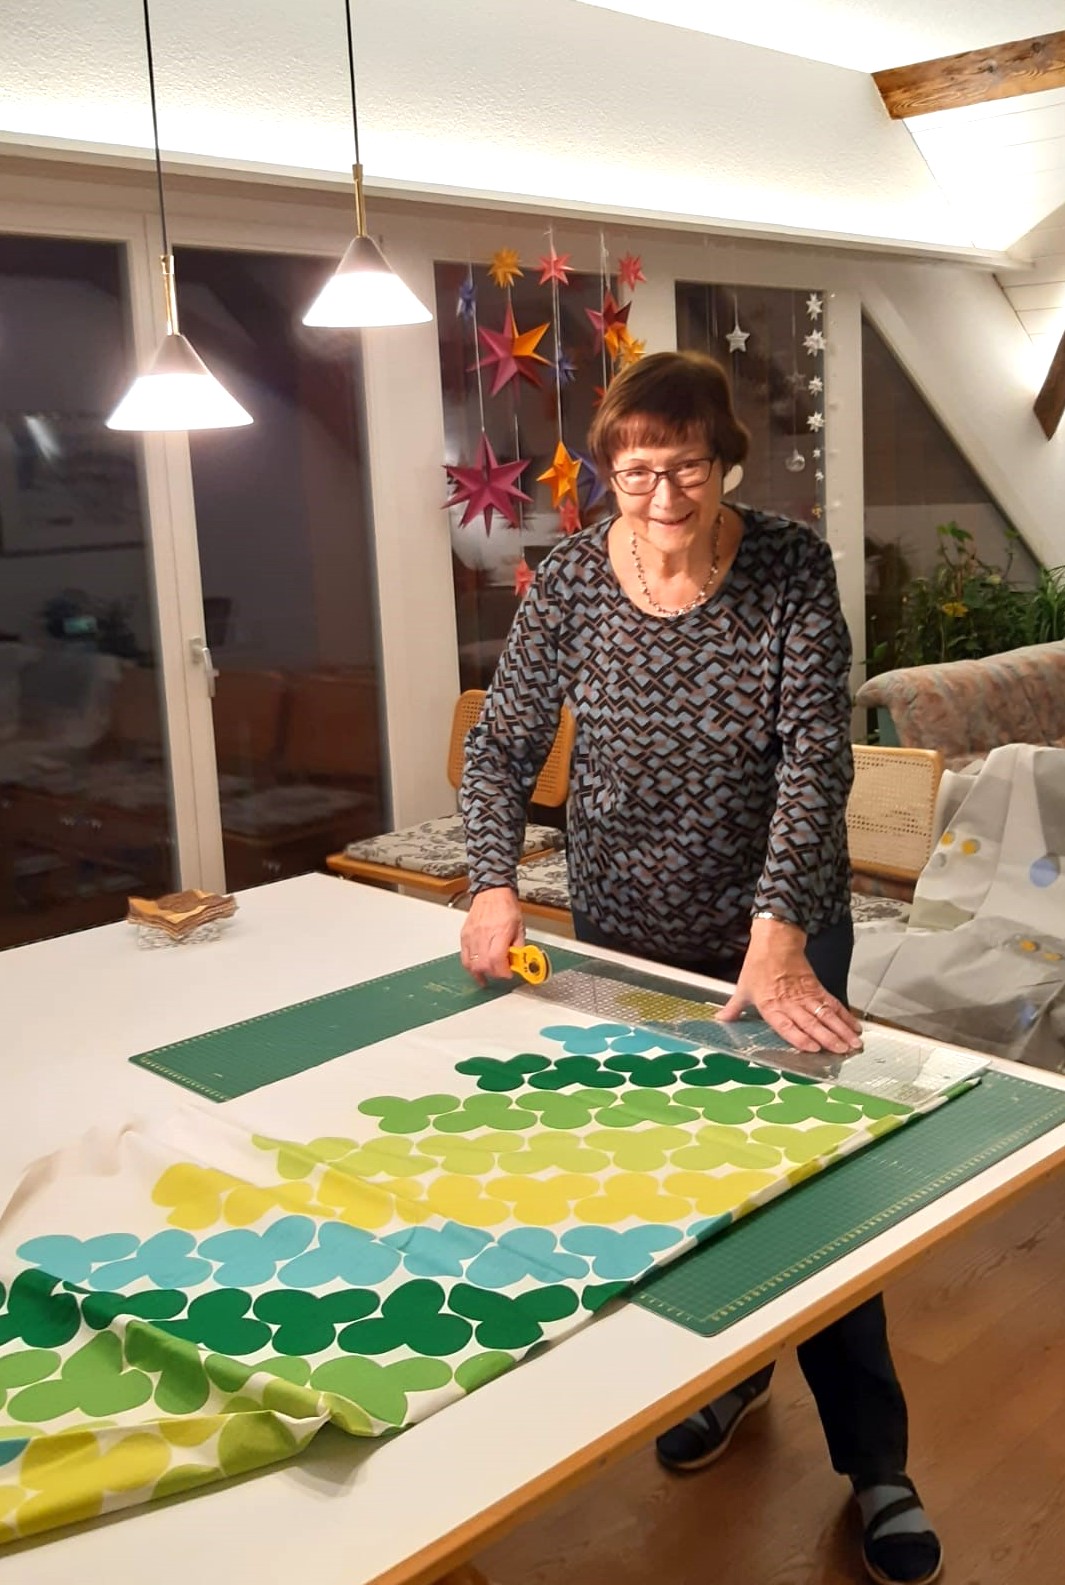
{"x":737,"y":339}
{"x":569,"y":517}
{"x":504,"y":267}
{"x":511,"y":352}
{"x":816,"y":385}
{"x":467,"y":299}
{"x":490,"y":486}
{"x":816,"y":420}
{"x":796,"y":380}
{"x":564,"y":369}
{"x":555,"y":267}
{"x":594,"y":488}
{"x":605,"y":321}
{"x":817,"y":511}
{"x":816,"y":451}
{"x":818,"y":475}
{"x":598,"y":392}
{"x":814,"y":306}
{"x":630,"y":270}
{"x":562,"y":475}
{"x":523,"y":578}
{"x":630,"y":350}
{"x":814,"y":342}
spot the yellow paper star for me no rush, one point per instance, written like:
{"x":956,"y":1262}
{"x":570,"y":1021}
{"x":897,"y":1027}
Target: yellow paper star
{"x":504,"y":267}
{"x":562,"y":476}
{"x":629,"y":349}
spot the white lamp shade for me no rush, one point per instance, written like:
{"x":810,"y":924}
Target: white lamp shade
{"x":178,"y":392}
{"x":364,"y":290}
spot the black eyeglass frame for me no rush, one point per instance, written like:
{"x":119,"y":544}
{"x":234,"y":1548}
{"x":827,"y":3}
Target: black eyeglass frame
{"x":666,"y":473}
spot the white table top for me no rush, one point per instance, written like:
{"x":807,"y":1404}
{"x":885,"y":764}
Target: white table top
{"x":348,"y":1512}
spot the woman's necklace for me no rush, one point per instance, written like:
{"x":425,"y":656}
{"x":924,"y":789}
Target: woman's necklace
{"x":680,"y":610}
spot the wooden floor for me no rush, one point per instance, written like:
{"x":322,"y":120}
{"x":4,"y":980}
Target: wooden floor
{"x":979,"y":1338}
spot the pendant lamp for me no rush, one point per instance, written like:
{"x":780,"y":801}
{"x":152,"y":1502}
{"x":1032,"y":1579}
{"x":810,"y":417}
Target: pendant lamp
{"x":364,"y":290}
{"x":178,"y":390}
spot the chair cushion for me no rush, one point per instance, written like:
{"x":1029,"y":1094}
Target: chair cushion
{"x":544,"y":881}
{"x":437,"y":847}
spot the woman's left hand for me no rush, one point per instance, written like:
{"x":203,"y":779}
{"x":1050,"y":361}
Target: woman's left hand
{"x":777,"y":980}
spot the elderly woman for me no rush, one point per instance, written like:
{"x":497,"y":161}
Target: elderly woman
{"x":703,"y":653}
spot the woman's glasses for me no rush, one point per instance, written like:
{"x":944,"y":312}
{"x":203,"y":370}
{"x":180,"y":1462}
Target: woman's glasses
{"x":682,"y":476}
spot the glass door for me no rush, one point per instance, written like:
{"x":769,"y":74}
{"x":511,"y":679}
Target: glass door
{"x":285,"y":556}
{"x":85,"y":803}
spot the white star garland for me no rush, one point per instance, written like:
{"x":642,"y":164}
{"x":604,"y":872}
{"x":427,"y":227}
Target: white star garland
{"x":737,"y":339}
{"x":816,"y":385}
{"x":816,"y":420}
{"x":814,"y":305}
{"x":814,"y":342}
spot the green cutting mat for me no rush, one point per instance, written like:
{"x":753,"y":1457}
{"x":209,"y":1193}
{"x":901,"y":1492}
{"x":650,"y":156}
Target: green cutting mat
{"x":826,"y":1217}
{"x":228,"y":1062}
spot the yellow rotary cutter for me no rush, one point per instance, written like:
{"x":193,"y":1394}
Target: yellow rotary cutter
{"x":531,"y":963}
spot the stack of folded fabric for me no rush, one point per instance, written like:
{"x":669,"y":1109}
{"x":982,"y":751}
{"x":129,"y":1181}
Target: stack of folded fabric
{"x":180,"y":917}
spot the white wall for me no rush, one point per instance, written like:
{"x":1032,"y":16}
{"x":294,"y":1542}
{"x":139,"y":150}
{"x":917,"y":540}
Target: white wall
{"x":541,"y":100}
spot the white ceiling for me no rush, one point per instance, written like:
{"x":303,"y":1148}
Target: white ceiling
{"x":563,"y":103}
{"x":866,"y":35}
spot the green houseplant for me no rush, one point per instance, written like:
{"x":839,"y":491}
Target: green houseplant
{"x":968,"y":607}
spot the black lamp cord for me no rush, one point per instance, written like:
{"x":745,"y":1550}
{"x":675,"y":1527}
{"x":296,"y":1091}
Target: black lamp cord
{"x":155,"y":128}
{"x":351,"y":77}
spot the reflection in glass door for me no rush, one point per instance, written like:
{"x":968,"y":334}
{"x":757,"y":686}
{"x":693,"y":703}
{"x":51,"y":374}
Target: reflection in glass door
{"x":283,"y":529}
{"x":85,"y":816}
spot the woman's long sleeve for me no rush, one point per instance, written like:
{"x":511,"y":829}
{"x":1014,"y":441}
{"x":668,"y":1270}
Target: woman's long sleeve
{"x":807,"y":835}
{"x":508,"y":745}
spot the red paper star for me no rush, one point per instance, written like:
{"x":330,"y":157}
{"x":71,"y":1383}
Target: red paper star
{"x":606,"y":320}
{"x":555,"y":267}
{"x":569,"y":517}
{"x":504,"y":267}
{"x":490,"y":486}
{"x":630,"y":270}
{"x":512,"y":353}
{"x":523,"y":578}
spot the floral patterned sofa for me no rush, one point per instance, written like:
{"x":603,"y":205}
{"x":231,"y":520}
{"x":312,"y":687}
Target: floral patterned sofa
{"x":965,"y":708}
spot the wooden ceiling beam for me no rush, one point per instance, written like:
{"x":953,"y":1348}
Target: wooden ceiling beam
{"x":1026,"y":66}
{"x":1050,"y":403}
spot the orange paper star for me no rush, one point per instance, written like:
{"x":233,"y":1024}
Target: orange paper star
{"x":562,"y":476}
{"x":504,"y":267}
{"x":523,"y":578}
{"x":512,"y":352}
{"x":630,"y":270}
{"x":555,"y":267}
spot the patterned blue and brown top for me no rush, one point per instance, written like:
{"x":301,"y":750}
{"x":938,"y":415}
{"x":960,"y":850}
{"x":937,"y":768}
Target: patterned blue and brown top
{"x":712,"y":759}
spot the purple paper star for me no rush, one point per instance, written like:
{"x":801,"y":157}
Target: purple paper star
{"x":467,"y":299}
{"x":589,"y":480}
{"x":564,"y":369}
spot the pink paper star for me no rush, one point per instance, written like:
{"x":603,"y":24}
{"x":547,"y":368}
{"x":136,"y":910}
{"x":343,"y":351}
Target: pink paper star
{"x":512,"y":353}
{"x":630,"y":270}
{"x":607,"y":319}
{"x":523,"y":578}
{"x":490,"y":486}
{"x":555,"y":267}
{"x":569,"y":517}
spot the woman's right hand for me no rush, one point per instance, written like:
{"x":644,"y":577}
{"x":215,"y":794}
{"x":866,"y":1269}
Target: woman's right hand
{"x":493,"y":925}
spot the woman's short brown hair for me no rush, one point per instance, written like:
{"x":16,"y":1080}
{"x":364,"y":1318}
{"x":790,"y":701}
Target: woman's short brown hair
{"x":659,"y":401}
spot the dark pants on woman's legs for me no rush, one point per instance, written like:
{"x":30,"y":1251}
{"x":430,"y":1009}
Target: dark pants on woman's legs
{"x":848,"y":1366}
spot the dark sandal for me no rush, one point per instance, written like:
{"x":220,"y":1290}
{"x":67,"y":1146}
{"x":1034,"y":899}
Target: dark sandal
{"x":704,"y":1436}
{"x":900,"y":1557}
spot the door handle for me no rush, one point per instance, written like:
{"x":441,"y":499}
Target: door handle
{"x":202,"y":655}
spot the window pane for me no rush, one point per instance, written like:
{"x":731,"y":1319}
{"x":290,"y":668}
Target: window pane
{"x":521,"y":420}
{"x":84,"y":786}
{"x":916,"y":479}
{"x":777,"y":385}
{"x":284,"y":541}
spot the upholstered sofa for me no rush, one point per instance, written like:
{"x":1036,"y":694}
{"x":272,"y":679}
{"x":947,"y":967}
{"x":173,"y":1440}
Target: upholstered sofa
{"x":965,"y":708}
